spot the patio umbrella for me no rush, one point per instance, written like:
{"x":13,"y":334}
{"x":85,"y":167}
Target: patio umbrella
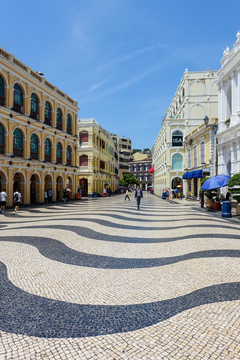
{"x":106,"y":184}
{"x":215,"y":182}
{"x":179,"y":186}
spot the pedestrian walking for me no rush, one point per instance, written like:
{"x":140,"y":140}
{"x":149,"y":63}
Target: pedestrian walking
{"x":138,"y":196}
{"x":45,"y":196}
{"x":167,"y":195}
{"x":50,"y":195}
{"x":3,"y":200}
{"x":176,"y":191}
{"x":127,"y":195}
{"x":65,"y":196}
{"x":17,"y":200}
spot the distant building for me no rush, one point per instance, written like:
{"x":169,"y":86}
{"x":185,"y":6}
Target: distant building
{"x":125,"y":154}
{"x":139,"y":156}
{"x":228,"y":135}
{"x":196,"y":97}
{"x":38,"y":125}
{"x":140,"y":169}
{"x":97,"y":158}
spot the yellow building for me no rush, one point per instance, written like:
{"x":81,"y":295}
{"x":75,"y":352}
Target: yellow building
{"x":38,"y":123}
{"x":200,"y":157}
{"x":98,"y":159}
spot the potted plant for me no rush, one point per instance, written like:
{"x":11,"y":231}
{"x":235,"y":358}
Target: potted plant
{"x":227,"y":122}
{"x":234,"y":190}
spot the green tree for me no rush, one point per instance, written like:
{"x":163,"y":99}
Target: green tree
{"x":128,"y":179}
{"x":136,"y":150}
{"x":234,"y":186}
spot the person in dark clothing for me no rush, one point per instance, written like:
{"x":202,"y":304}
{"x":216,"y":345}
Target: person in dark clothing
{"x":138,"y":196}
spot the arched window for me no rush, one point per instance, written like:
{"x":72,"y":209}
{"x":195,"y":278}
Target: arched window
{"x":177,"y":162}
{"x":34,"y":146}
{"x":83,"y":137}
{"x":1,"y":140}
{"x":177,"y":138}
{"x":47,"y":150}
{"x":18,"y":99}
{"x":69,"y":124}
{"x":2,"y":92}
{"x":59,"y":119}
{"x":59,"y":153}
{"x":17,"y":143}
{"x":48,"y":113}
{"x":83,"y":160}
{"x":34,"y":107}
{"x":69,"y":155}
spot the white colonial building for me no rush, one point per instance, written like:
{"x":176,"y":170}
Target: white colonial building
{"x":195,"y":98}
{"x":228,"y":135}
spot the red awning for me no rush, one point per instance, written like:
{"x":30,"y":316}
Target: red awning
{"x":151,"y":170}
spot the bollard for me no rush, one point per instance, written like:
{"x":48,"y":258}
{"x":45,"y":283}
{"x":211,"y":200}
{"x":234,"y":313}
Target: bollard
{"x":226,"y":209}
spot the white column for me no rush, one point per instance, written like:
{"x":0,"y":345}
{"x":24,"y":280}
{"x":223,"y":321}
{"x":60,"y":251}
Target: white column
{"x":232,"y":159}
{"x":238,"y":157}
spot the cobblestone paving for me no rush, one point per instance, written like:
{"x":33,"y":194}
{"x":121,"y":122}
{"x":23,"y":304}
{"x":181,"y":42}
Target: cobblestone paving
{"x":99,"y":279}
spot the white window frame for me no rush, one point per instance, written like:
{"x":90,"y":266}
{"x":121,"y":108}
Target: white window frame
{"x":195,"y":157}
{"x":202,"y":152}
{"x":189,"y":158}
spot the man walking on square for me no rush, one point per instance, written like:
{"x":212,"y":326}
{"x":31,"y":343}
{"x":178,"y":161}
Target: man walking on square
{"x":3,"y":198}
{"x":138,"y":196}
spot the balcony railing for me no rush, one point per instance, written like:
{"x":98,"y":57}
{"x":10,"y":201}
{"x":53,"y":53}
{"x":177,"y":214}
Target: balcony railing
{"x":18,"y":152}
{"x":18,"y":108}
{"x":59,"y":126}
{"x":48,"y":122}
{"x":34,"y":115}
{"x":48,"y":157}
{"x":34,"y":155}
{"x":59,"y":160}
{"x":69,"y":131}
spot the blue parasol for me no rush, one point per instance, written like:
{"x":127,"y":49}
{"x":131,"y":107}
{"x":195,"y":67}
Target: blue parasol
{"x":215,"y":182}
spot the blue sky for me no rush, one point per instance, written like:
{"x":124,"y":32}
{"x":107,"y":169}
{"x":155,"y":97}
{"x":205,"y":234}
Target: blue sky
{"x":122,"y":60}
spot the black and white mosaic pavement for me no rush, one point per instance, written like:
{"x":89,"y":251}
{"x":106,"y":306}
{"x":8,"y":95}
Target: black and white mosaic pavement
{"x":100,"y":267}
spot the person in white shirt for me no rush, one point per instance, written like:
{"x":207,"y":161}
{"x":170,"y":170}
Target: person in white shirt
{"x":17,"y":199}
{"x":3,"y":199}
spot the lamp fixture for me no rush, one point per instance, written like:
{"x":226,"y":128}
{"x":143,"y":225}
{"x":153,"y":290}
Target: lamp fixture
{"x":213,"y":126}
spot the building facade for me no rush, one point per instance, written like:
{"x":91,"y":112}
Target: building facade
{"x":140,"y":169}
{"x":97,"y":158}
{"x":38,"y":125}
{"x":195,"y":98}
{"x":125,"y":154}
{"x":228,"y":135}
{"x":200,"y":157}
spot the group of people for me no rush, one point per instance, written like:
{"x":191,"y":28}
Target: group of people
{"x":48,"y":195}
{"x":17,"y":200}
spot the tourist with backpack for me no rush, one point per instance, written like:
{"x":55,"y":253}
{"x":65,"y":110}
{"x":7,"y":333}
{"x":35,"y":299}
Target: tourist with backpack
{"x":17,"y":200}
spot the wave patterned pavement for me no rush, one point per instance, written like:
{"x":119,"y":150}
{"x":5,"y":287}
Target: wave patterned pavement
{"x":99,"y":279}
